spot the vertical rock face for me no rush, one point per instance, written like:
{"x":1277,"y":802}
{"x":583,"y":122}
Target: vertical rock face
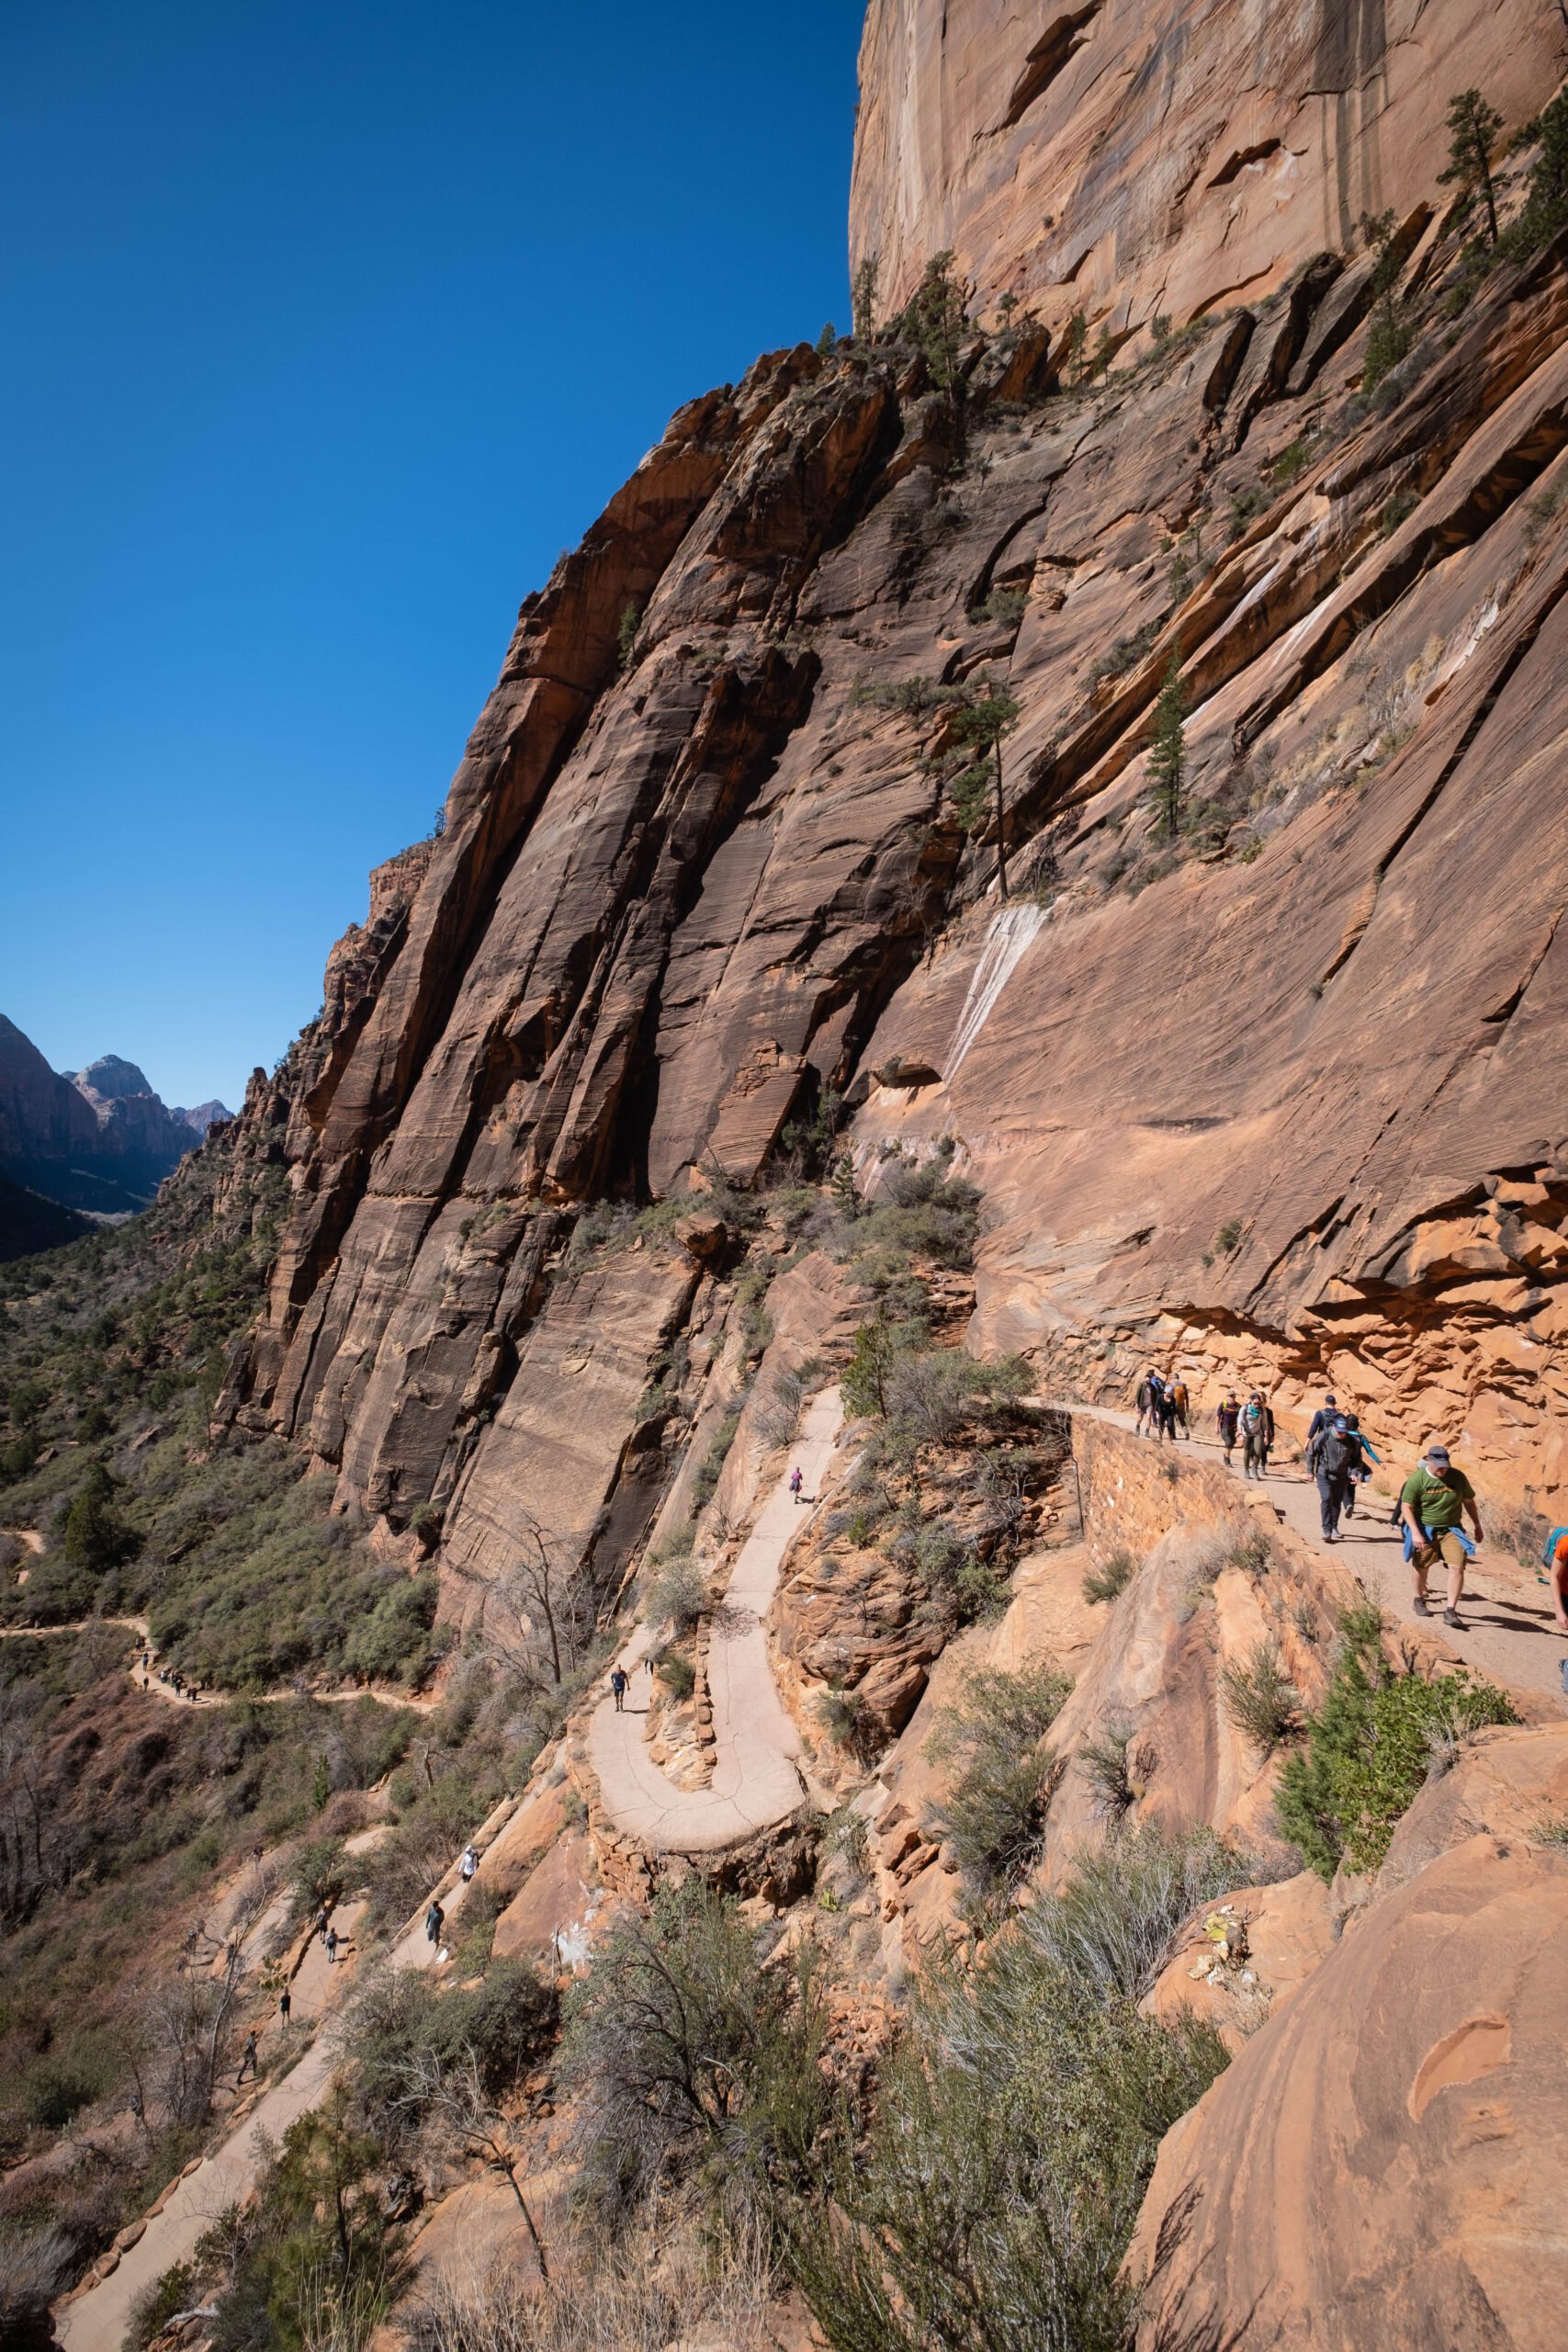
{"x":1284,"y":1094}
{"x":1133,"y":157}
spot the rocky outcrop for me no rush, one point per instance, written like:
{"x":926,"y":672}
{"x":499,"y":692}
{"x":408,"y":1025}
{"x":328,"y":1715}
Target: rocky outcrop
{"x":1289,"y":2209}
{"x":1132,"y":161}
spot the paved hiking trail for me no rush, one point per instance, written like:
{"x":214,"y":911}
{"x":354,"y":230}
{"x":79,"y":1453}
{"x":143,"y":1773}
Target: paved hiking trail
{"x":1507,"y":1635}
{"x":756,"y":1778}
{"x":96,"y":2320}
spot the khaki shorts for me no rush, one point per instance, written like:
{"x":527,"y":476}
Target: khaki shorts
{"x":1446,"y":1547}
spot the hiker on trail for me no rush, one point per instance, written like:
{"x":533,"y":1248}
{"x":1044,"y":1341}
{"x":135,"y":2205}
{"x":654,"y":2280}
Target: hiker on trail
{"x":618,"y":1685}
{"x":285,"y":2006}
{"x":1151,"y":1388}
{"x":796,"y":1482}
{"x":469,"y":1863}
{"x":1321,"y":1418}
{"x":249,"y":2059}
{"x":1177,"y":1404}
{"x":1557,"y":1577}
{"x":1433,"y":1501}
{"x":323,"y":1917}
{"x":1359,"y":1472}
{"x":1227,"y":1417}
{"x":331,"y":1947}
{"x":1164,"y":1412}
{"x":435,"y":1920}
{"x":1331,"y":1457}
{"x":1256,"y":1436}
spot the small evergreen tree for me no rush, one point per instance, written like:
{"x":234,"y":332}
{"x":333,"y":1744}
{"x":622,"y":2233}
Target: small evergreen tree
{"x":862,"y":299}
{"x":94,"y":1536}
{"x":937,"y":319}
{"x":1472,"y":138}
{"x":981,"y":725}
{"x":1077,"y":335}
{"x":626,"y":635}
{"x":876,"y":1350}
{"x":827,"y":340}
{"x":1167,"y":753}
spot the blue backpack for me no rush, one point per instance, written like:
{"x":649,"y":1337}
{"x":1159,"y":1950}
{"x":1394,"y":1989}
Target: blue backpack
{"x":1552,"y":1543}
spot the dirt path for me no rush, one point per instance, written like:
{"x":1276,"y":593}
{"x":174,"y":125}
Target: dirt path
{"x":756,"y":1777}
{"x":1508,"y":1634}
{"x":157,"y":1686}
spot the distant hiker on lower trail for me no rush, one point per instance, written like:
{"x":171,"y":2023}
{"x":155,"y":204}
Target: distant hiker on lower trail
{"x":323,"y":1920}
{"x":796,"y":1482}
{"x":1331,"y":1457}
{"x":469,"y":1864}
{"x":1256,"y":1436}
{"x":331,"y":1947}
{"x":249,"y":2059}
{"x":435,"y":1920}
{"x":1227,"y":1417}
{"x":618,"y":1685}
{"x":1151,"y":1392}
{"x":1434,"y":1501}
{"x":285,"y":2006}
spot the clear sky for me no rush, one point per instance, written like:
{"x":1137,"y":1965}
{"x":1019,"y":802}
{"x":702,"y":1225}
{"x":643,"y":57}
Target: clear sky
{"x":326,"y":326}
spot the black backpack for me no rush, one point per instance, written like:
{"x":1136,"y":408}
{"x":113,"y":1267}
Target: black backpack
{"x":1336,"y":1454}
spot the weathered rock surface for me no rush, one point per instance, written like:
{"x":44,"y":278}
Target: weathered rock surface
{"x":1127,"y":159}
{"x":1369,"y":2169}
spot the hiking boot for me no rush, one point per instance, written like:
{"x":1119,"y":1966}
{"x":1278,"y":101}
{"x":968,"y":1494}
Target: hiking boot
{"x":1421,"y":1605}
{"x":1453,"y":1617}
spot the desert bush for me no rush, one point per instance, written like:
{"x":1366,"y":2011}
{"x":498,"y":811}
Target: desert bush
{"x":678,"y":1674}
{"x":1124,"y":654}
{"x":318,"y":1872}
{"x":1368,"y":1748}
{"x":664,"y":2282}
{"x":678,"y":1594}
{"x":711,"y":1467}
{"x":1113,"y":1923}
{"x":155,"y":2306}
{"x":992,"y":2200}
{"x":1000,"y":1778}
{"x":1260,"y":1699}
{"x":1105,"y":1583}
{"x":1117,"y":1767}
{"x":689,"y":2057}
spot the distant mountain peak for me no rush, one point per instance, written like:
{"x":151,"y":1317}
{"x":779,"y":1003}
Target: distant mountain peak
{"x":110,"y":1079}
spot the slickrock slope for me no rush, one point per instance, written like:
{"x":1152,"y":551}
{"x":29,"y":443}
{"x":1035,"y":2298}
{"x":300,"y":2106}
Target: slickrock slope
{"x":1129,"y":159}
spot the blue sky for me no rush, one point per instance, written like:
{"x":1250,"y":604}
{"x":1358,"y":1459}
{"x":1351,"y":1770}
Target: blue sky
{"x":327,"y":326}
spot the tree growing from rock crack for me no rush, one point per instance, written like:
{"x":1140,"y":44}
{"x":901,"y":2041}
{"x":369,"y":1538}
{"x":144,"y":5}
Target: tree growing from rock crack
{"x":1472,"y":135}
{"x":1168,"y":752}
{"x":981,"y":724}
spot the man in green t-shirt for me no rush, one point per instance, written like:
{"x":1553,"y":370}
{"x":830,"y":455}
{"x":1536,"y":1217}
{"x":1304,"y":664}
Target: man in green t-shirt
{"x":1434,"y":1501}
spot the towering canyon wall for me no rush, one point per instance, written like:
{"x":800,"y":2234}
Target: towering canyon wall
{"x":1283,"y":1096}
{"x":1132,"y":157}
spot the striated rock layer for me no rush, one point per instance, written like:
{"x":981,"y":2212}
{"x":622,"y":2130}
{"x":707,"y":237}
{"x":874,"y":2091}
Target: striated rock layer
{"x":1128,"y":159}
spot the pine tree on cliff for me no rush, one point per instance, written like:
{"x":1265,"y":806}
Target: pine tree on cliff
{"x":981,"y":724}
{"x":1473,"y":128}
{"x":1168,"y":752}
{"x":862,"y":299}
{"x":938,"y":320}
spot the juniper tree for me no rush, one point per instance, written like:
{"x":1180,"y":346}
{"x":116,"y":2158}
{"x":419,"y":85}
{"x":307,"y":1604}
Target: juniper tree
{"x":862,"y":299}
{"x":1168,"y":752}
{"x":937,"y":319}
{"x":1473,"y":128}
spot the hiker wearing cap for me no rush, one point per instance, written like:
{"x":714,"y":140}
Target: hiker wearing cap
{"x":1321,"y":1418}
{"x":1151,"y":1392}
{"x":1332,"y":1456}
{"x":1433,"y":1501}
{"x":1226,"y":1416}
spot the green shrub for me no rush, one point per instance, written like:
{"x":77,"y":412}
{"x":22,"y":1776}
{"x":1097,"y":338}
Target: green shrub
{"x":1104,"y":1584}
{"x":1369,"y":1749}
{"x":1389,"y":338}
{"x":992,"y":2200}
{"x":678,"y":1595}
{"x":1124,"y":654}
{"x":1116,"y":1769}
{"x":1115,"y":1922}
{"x":691,"y":2059}
{"x":678,"y":1674}
{"x":155,"y":2306}
{"x":1260,"y":1699}
{"x":711,"y":1467}
{"x":1001,"y":1777}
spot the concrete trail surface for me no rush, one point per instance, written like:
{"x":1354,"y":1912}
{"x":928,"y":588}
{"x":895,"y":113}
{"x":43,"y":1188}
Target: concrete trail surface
{"x":756,"y":1779}
{"x":96,"y":2320}
{"x":1508,"y":1634}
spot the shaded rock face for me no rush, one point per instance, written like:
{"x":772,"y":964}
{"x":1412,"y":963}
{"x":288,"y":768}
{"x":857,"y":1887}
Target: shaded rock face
{"x":1128,"y":160}
{"x":1282,"y":1102}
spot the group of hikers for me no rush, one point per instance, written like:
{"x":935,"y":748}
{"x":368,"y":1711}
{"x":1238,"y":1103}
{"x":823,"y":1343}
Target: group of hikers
{"x":1434,"y":1501}
{"x":172,"y":1679}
